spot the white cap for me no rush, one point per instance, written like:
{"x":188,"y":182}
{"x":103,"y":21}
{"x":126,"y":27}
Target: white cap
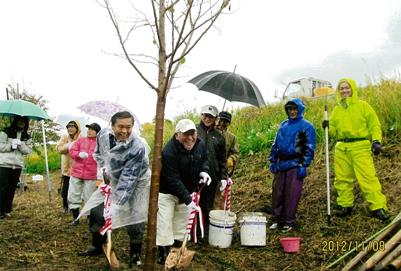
{"x":209,"y":109}
{"x":185,"y":125}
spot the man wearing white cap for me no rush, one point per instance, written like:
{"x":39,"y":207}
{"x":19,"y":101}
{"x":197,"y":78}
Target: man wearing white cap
{"x":184,"y":162}
{"x":216,"y":153}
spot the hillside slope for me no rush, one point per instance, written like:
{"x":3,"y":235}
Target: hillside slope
{"x":38,"y":237}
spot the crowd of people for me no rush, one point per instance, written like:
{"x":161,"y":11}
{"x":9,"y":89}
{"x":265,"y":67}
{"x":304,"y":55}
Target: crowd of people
{"x":197,"y":165}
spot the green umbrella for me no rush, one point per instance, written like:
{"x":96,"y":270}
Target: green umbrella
{"x":22,"y":108}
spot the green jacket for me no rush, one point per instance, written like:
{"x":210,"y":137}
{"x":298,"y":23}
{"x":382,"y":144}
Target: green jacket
{"x":232,"y":148}
{"x":354,"y":118}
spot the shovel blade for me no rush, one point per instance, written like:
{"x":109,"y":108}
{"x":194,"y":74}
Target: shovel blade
{"x":179,"y":259}
{"x":111,"y":256}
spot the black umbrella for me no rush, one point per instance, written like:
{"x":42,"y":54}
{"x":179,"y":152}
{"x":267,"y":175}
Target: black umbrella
{"x":229,"y":85}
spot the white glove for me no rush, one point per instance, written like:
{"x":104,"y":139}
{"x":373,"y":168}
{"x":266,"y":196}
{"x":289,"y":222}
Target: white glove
{"x":15,"y":143}
{"x":205,"y":178}
{"x":83,"y":155}
{"x":193,"y":207}
{"x":223,"y":185}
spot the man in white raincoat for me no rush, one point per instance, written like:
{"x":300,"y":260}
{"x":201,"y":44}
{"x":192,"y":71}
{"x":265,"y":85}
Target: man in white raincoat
{"x":124,"y":157}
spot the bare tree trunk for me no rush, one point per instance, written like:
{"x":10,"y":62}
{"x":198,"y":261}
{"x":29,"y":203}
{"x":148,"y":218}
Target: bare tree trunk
{"x":187,"y":28}
{"x":150,"y":259}
{"x":154,"y":187}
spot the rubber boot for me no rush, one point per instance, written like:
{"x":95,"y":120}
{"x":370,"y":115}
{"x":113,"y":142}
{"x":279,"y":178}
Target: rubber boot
{"x":162,"y":252}
{"x":98,"y":240}
{"x":75,"y":214}
{"x":135,"y":254}
{"x":96,"y":248}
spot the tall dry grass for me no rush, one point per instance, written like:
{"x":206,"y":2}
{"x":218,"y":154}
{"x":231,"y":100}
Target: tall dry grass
{"x":256,"y":128}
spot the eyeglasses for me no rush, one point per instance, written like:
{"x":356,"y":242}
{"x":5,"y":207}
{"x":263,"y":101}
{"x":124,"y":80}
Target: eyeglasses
{"x":71,"y":126}
{"x":189,"y":133}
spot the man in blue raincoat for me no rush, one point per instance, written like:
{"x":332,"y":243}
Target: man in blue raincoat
{"x":291,"y":153}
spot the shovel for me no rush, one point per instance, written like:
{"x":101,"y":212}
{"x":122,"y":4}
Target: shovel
{"x":179,"y":258}
{"x":324,"y":92}
{"x":110,"y":254}
{"x":107,"y":248}
{"x":326,"y":135}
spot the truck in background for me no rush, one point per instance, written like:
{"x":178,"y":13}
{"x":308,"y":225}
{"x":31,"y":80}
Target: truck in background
{"x":308,"y":87}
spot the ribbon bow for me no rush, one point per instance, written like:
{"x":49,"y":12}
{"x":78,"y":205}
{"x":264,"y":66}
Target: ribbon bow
{"x":227,"y":195}
{"x":193,"y":219}
{"x":106,"y":191}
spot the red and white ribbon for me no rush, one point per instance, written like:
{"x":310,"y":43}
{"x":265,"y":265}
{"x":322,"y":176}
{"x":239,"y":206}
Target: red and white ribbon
{"x":193,"y":219}
{"x":227,"y":195}
{"x":106,"y":190}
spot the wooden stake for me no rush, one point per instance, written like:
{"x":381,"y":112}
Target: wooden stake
{"x":396,"y":220}
{"x":396,"y":264}
{"x":350,"y":265}
{"x":389,"y":258}
{"x":372,"y":261}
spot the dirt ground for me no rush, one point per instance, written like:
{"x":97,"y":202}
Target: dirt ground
{"x":38,"y":237}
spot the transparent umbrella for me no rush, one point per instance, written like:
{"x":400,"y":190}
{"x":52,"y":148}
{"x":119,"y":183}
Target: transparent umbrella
{"x":106,"y":109}
{"x":80,"y":117}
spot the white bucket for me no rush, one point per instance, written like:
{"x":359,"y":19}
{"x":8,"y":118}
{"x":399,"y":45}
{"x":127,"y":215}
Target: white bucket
{"x":221,"y":225}
{"x":253,"y":229}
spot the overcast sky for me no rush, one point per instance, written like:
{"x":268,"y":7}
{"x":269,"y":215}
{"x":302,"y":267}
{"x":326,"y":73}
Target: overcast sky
{"x":63,"y":50}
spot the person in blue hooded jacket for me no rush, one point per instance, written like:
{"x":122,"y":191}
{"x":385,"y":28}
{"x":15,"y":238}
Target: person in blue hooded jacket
{"x":291,"y":153}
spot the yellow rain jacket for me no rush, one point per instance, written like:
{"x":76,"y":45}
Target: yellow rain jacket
{"x":355,"y":125}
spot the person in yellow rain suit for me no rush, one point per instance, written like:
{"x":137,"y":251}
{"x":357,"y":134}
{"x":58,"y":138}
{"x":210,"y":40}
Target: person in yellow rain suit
{"x":357,"y":130}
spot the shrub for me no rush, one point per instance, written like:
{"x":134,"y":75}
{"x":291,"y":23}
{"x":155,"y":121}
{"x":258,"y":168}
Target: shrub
{"x":35,"y":162}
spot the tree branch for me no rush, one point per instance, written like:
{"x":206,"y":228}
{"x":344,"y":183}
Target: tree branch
{"x":114,"y":21}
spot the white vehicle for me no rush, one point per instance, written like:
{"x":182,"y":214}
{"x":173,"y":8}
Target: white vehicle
{"x":307,"y":87}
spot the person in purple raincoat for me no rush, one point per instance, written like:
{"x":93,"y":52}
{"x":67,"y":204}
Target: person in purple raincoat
{"x":291,"y":153}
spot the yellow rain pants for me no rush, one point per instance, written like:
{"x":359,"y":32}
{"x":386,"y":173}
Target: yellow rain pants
{"x":354,"y":160}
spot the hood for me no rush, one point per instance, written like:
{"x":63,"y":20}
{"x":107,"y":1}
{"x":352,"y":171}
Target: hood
{"x":300,"y":105}
{"x":352,"y":83}
{"x":79,"y":129}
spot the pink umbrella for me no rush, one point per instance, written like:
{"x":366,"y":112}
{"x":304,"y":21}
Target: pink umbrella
{"x":105,"y":110}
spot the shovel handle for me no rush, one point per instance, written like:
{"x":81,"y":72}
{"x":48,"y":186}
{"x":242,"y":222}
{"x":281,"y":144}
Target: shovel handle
{"x":184,"y":243}
{"x":326,"y":135}
{"x":108,"y":243}
{"x":105,"y":177}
